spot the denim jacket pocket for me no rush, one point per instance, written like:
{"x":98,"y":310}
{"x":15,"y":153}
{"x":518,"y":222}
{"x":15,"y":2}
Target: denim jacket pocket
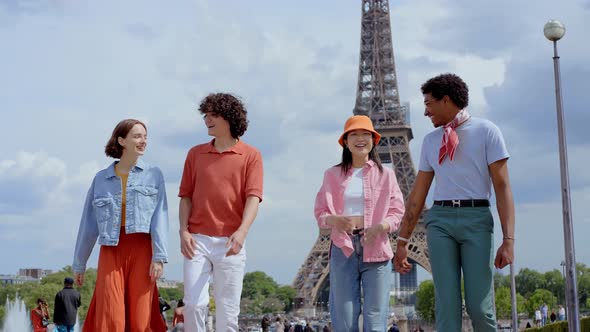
{"x":146,"y":199}
{"x":104,"y":208}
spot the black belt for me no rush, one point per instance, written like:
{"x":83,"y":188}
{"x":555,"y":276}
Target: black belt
{"x":464,"y":203}
{"x":357,"y":231}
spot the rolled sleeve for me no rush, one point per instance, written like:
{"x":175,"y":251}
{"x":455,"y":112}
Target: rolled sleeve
{"x":255,"y":176}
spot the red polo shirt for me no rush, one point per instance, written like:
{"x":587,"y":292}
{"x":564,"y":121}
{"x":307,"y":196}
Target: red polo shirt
{"x":218,"y":185}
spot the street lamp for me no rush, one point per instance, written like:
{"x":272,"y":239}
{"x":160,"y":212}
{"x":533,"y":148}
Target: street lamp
{"x":554,"y":31}
{"x":565,"y":297}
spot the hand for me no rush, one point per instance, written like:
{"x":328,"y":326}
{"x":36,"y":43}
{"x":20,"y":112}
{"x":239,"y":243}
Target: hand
{"x":156,"y":270}
{"x":505,"y":254}
{"x":235,"y":242}
{"x":371,"y":233}
{"x":79,"y":278}
{"x":188,"y":245}
{"x":400,"y":259}
{"x":342,"y":223}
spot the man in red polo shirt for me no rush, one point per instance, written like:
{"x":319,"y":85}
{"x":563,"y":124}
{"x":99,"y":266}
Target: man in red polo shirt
{"x":220,"y":191}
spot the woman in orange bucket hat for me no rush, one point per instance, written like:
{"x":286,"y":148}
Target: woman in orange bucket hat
{"x":361,"y":203}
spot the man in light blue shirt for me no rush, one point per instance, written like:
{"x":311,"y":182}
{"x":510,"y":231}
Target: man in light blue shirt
{"x":466,"y":156}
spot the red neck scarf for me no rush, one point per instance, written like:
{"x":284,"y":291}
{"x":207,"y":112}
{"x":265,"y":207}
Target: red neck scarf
{"x":450,"y":140}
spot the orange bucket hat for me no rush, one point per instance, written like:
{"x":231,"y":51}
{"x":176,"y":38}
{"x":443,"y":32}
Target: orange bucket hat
{"x":359,"y":122}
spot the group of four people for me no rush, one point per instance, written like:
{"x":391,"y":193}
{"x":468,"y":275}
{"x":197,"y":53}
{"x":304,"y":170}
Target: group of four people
{"x":359,"y":201}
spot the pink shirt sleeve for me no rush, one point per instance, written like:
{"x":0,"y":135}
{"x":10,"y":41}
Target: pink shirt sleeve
{"x":396,"y":206}
{"x":322,"y":209}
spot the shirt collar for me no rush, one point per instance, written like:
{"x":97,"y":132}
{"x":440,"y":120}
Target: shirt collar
{"x":238,"y":148}
{"x":139,"y":166}
{"x":368,"y":164}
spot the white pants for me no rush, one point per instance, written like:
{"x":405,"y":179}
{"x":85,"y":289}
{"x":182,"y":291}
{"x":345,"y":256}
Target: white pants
{"x":209,"y":263}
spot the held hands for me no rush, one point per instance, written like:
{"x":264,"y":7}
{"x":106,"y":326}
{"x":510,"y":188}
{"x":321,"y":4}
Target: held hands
{"x":188,"y":245}
{"x":235,"y":242}
{"x":400,"y":259}
{"x":156,"y":270}
{"x":79,"y":279}
{"x":505,"y":254}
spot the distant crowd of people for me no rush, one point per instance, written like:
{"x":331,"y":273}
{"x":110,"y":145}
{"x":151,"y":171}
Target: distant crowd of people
{"x":282,"y":324}
{"x":543,"y":317}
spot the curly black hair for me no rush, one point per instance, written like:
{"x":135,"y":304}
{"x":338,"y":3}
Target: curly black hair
{"x":230,"y":108}
{"x":448,"y":85}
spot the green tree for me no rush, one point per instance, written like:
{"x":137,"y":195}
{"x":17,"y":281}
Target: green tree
{"x":272,"y":304}
{"x":539,"y":297}
{"x":261,"y":294}
{"x":555,"y":283}
{"x":425,"y":300}
{"x":501,"y":280}
{"x":258,"y":285}
{"x":583,"y":289}
{"x":171,"y":294}
{"x":504,"y":303}
{"x":528,"y":281}
{"x":286,"y":294}
{"x":250,"y":306}
{"x":86,"y":292}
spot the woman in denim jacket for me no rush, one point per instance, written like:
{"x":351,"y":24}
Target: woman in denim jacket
{"x":360,"y":201}
{"x":126,"y":209}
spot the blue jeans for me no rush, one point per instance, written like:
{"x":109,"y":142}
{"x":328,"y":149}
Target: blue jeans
{"x":351,"y":279}
{"x":64,"y":328}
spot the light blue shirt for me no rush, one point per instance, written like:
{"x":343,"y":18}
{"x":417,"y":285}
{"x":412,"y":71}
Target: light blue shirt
{"x":467,"y":176}
{"x":146,"y":212}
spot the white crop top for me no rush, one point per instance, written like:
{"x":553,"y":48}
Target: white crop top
{"x":354,"y":195}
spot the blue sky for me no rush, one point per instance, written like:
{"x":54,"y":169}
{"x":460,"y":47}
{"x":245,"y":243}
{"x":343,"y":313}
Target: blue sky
{"x":70,"y":70}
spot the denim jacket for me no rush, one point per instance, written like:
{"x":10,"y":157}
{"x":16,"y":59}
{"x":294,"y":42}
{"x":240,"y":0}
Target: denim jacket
{"x":146,"y":212}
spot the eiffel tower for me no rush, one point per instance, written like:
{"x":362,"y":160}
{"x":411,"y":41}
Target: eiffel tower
{"x":377,"y":97}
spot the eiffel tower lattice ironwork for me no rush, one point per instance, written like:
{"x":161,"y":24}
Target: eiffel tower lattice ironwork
{"x":377,"y":97}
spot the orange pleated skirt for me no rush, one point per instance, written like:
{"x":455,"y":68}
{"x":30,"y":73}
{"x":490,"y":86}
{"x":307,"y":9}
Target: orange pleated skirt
{"x":125,"y":299}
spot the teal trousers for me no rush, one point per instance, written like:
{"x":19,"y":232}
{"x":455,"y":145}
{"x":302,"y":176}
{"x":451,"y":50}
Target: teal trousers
{"x":460,"y":239}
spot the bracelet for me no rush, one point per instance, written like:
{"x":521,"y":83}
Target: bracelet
{"x":401,"y":238}
{"x":508,"y":238}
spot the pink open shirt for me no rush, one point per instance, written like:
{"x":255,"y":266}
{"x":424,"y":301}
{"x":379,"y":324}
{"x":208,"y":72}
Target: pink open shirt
{"x":383,"y":202}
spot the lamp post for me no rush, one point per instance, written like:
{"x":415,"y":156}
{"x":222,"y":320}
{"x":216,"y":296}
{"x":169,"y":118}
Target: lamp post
{"x":565,"y":297}
{"x":513,"y":298}
{"x":554,"y":31}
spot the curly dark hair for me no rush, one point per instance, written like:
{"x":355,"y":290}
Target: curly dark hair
{"x":113,"y":149}
{"x":230,"y":108}
{"x":448,"y":85}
